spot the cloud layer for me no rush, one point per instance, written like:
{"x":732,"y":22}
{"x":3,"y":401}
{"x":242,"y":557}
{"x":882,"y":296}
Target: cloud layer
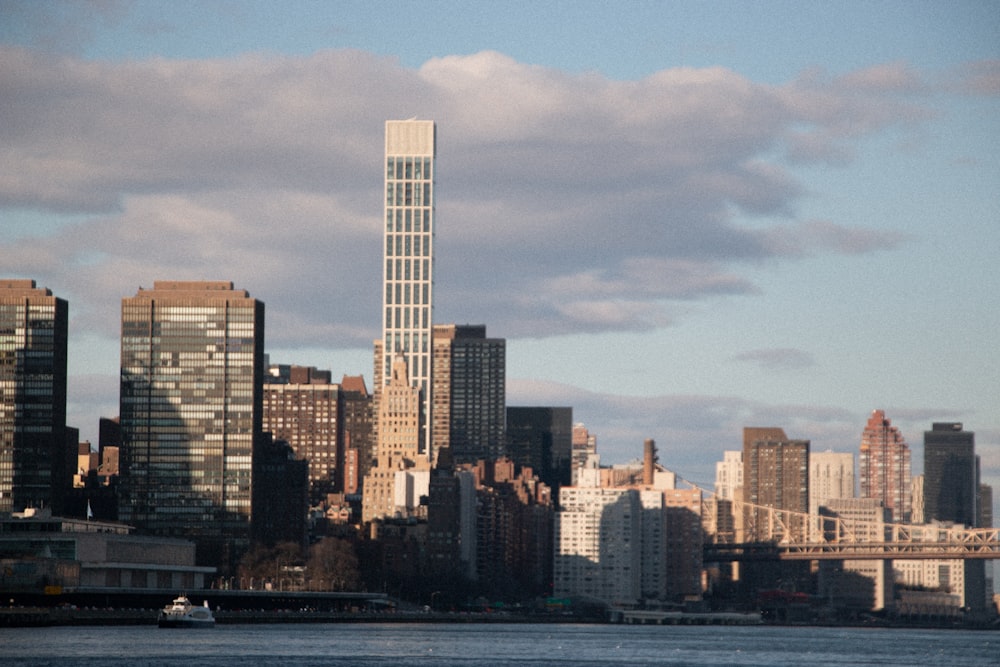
{"x":566,"y":203}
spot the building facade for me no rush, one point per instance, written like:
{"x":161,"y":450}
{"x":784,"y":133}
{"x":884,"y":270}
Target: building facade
{"x":541,"y":438}
{"x":192,"y":366}
{"x":775,"y":476}
{"x":885,"y":467}
{"x":34,"y":453}
{"x":304,"y":412}
{"x":598,"y":544}
{"x":408,"y":261}
{"x":399,"y":468}
{"x":469,"y":393}
{"x":951,"y":475}
{"x":831,"y":475}
{"x":356,"y":445}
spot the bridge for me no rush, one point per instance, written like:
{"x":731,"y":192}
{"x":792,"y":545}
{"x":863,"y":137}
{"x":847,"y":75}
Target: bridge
{"x":767,"y":533}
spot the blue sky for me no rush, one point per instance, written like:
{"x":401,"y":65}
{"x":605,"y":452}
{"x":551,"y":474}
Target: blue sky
{"x":685,"y":217}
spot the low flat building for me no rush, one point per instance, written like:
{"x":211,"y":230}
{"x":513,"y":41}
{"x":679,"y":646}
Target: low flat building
{"x":40,"y":552}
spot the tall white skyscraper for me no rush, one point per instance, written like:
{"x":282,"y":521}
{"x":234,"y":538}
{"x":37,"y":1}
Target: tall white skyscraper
{"x":408,"y":266}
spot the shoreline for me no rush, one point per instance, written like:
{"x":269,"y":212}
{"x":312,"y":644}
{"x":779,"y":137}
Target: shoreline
{"x":25,"y":617}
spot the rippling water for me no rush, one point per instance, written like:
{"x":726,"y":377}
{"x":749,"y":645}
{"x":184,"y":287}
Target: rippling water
{"x":457,"y":645}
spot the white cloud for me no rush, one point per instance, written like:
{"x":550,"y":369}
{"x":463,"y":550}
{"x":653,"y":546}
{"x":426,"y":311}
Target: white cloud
{"x":565,"y":202}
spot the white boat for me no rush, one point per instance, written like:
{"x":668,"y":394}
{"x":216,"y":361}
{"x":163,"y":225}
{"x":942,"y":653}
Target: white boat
{"x":182,"y":614}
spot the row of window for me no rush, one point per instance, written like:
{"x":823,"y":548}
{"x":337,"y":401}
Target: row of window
{"x":408,"y":220}
{"x":400,"y":294}
{"x":408,"y":194}
{"x":407,"y":245}
{"x":410,"y":168}
{"x":407,"y":269}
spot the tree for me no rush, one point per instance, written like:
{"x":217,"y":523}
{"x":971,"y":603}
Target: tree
{"x":262,"y":564}
{"x":333,"y":566}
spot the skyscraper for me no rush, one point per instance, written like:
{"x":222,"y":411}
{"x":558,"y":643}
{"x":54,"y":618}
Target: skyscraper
{"x":885,"y":467}
{"x":542,"y":438}
{"x":469,"y":393}
{"x":951,"y":474}
{"x":192,"y":366}
{"x":408,"y":265}
{"x":775,"y":475}
{"x":33,"y":446}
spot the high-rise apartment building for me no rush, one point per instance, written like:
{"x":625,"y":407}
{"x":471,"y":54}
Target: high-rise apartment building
{"x":885,"y":467}
{"x":831,"y":475}
{"x":775,"y":477}
{"x":598,"y":544}
{"x":356,"y":447}
{"x":34,"y":453}
{"x":951,"y":474}
{"x":408,"y":264}
{"x":303,"y":410}
{"x":192,"y":366}
{"x":469,"y":393}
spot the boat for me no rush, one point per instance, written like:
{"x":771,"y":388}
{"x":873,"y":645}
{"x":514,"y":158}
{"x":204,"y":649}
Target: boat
{"x":182,"y":614}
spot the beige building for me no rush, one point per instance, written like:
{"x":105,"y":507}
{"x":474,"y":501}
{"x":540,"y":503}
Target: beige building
{"x":398,"y":460}
{"x":859,"y":584}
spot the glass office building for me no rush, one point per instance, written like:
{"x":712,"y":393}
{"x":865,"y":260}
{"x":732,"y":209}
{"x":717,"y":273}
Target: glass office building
{"x":192,"y":365}
{"x":34,"y":452}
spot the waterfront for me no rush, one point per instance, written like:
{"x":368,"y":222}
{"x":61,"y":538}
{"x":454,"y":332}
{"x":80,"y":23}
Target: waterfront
{"x":465,"y":645}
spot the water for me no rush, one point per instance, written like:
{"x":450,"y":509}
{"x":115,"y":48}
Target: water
{"x":468,"y":645}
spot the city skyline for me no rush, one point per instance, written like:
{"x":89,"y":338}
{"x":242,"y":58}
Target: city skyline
{"x":679,"y":235}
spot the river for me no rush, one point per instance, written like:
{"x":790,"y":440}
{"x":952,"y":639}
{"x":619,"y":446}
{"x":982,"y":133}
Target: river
{"x":495,"y":645}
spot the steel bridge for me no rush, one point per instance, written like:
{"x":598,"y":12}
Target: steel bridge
{"x":767,"y":533}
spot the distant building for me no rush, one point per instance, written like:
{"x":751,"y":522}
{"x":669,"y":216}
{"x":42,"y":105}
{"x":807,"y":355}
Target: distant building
{"x":35,"y":460}
{"x":469,"y":393}
{"x":541,"y":438}
{"x":192,"y":366}
{"x":775,"y":476}
{"x":584,"y":444}
{"x":408,"y":262}
{"x":684,"y":543}
{"x":961,"y":586}
{"x":598,"y":552}
{"x":280,"y":494}
{"x":394,"y":483}
{"x":303,"y":410}
{"x":864,"y":585}
{"x":356,"y":445}
{"x":885,"y":467}
{"x":831,"y":475}
{"x":38,"y":550}
{"x":729,"y":476}
{"x":951,"y":474}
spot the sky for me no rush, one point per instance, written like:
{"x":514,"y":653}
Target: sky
{"x":684,"y":217}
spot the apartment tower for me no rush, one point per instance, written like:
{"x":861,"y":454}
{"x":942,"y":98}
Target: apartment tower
{"x":408,"y":263}
{"x":192,"y":367}
{"x":469,"y":393}
{"x":34,"y":452}
{"x":775,"y":477}
{"x":885,"y":467}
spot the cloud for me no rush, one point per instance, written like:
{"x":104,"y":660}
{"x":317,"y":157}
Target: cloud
{"x":566,"y":202}
{"x":782,"y":358}
{"x":981,"y":77}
